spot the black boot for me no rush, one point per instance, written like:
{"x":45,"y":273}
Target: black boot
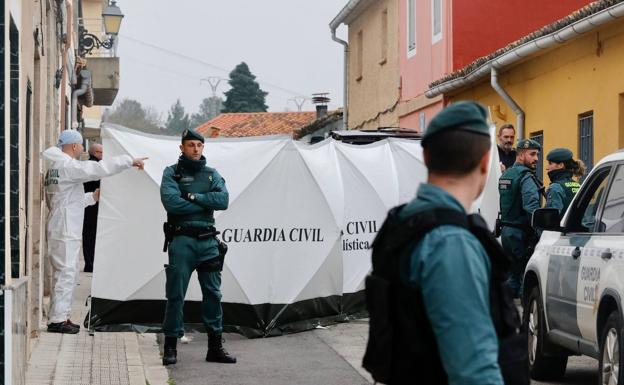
{"x":170,"y":355}
{"x":216,"y":353}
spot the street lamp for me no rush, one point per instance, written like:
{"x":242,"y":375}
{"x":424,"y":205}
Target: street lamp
{"x":112,"y":17}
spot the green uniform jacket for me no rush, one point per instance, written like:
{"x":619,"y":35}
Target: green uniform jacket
{"x":522,"y":202}
{"x":207,"y":186}
{"x":561,"y":191}
{"x":452,"y":271}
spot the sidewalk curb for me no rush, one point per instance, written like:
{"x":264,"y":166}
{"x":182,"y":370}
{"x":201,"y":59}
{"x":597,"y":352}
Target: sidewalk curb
{"x":155,"y":372}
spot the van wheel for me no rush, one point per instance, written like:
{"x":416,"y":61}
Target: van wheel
{"x":610,"y":360}
{"x":542,"y":367}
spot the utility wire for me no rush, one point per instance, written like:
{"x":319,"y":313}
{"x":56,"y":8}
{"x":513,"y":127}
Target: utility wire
{"x":165,"y":69}
{"x":205,"y":63}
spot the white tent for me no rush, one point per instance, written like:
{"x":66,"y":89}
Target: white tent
{"x":299,"y":224}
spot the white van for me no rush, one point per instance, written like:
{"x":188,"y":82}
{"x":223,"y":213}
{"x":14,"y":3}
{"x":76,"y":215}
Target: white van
{"x":574,"y":282}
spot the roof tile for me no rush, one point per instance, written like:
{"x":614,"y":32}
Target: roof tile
{"x":239,"y":124}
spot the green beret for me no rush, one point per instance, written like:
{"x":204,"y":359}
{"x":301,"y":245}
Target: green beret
{"x":464,"y":116}
{"x":559,"y":155}
{"x":528,"y":144}
{"x":191,"y":134}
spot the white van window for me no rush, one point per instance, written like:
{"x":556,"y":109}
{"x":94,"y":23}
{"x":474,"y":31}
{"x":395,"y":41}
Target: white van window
{"x":613,"y":214}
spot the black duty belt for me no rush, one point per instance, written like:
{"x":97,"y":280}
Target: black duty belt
{"x":195,"y":232}
{"x":199,"y":232}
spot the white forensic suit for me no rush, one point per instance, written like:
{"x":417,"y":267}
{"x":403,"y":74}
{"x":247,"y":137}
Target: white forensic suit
{"x":67,"y":200}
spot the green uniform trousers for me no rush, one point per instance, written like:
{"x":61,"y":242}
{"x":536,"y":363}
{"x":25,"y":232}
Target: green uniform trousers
{"x":517,"y":244}
{"x":185,"y":253}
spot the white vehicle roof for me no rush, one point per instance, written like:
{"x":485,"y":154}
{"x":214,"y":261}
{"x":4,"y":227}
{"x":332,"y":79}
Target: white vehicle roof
{"x":618,"y":155}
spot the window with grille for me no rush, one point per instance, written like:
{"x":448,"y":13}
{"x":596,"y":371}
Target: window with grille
{"x":586,"y":139}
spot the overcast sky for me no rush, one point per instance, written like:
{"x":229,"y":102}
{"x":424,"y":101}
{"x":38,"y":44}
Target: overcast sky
{"x":286,"y":43}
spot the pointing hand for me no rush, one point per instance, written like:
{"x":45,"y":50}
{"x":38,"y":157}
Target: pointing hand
{"x":138,"y":163}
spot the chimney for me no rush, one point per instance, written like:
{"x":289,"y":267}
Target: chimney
{"x":214,"y":131}
{"x":320,"y":100}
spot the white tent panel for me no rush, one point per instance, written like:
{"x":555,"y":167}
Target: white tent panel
{"x":299,"y":226}
{"x":275,"y":245}
{"x":364,"y":212}
{"x":410,"y":167}
{"x":327,"y":279}
{"x":129,"y":242}
{"x":321,"y":159}
{"x":375,"y":163}
{"x":488,"y":203}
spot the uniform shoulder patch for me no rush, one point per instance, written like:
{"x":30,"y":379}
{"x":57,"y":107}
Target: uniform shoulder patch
{"x":504,"y":184}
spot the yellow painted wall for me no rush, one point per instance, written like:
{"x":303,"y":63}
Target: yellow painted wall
{"x":378,"y":88}
{"x":554,"y":88}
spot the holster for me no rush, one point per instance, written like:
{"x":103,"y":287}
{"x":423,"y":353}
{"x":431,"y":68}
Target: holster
{"x":214,"y":264}
{"x":168,"y":230}
{"x":498,"y":227}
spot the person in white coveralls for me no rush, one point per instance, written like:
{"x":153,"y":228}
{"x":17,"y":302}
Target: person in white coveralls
{"x":66,"y":202}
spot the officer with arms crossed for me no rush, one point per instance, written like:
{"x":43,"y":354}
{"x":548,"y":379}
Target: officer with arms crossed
{"x":519,"y":192}
{"x":190,"y":191}
{"x":67,"y":200}
{"x":447,"y":310}
{"x":561,"y":168}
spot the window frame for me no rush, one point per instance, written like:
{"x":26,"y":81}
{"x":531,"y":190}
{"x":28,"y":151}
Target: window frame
{"x":436,"y":37}
{"x":538,"y":136}
{"x":384,"y":37}
{"x":411,"y":51}
{"x":359,"y":56}
{"x":615,"y":166}
{"x":588,"y":163}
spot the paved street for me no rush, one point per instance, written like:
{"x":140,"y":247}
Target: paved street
{"x":580,"y":371}
{"x":321,"y":356}
{"x":303,"y":358}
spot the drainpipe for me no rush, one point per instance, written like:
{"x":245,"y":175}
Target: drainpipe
{"x":345,"y":88}
{"x":85,"y":83}
{"x":510,"y":102}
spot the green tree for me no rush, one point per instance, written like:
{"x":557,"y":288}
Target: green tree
{"x":208,"y":109}
{"x":130,"y":113}
{"x":245,"y":94}
{"x":177,"y":119}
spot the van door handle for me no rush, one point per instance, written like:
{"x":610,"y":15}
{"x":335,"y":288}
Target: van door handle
{"x":607,"y":254}
{"x":576,"y":252}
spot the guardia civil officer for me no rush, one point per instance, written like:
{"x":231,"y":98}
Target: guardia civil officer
{"x":190,"y":191}
{"x":561,"y":169}
{"x":444,"y":330}
{"x":520,"y":192}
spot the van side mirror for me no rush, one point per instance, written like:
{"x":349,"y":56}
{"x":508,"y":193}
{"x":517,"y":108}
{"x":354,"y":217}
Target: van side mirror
{"x":546,"y":219}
